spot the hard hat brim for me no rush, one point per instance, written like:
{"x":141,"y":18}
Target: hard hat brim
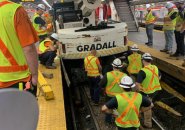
{"x":118,"y":66}
{"x":127,"y":86}
{"x":134,"y":49}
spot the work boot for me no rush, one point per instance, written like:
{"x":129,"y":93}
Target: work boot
{"x":169,"y":52}
{"x":174,"y":55}
{"x":150,"y":44}
{"x":146,"y":43}
{"x":180,"y":57}
{"x":50,"y":67}
{"x":164,"y":50}
{"x":148,"y":119}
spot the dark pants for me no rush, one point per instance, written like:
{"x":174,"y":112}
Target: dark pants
{"x":130,"y":128}
{"x":108,"y":116}
{"x":34,"y":91}
{"x":179,"y":37}
{"x":47,"y":58}
{"x":149,"y":32}
{"x":94,"y":88}
{"x":42,"y":37}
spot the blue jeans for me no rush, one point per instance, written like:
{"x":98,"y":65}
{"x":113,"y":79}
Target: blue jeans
{"x":149,"y":32}
{"x":94,"y":88}
{"x":169,"y":39}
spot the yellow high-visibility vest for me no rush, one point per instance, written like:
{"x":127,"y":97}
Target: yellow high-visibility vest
{"x":13,"y":62}
{"x":113,"y":80}
{"x":42,"y":47}
{"x":40,"y":31}
{"x":149,"y":18}
{"x":135,"y":63}
{"x":128,"y":109}
{"x":170,"y":25}
{"x":151,"y":83}
{"x":91,"y":67}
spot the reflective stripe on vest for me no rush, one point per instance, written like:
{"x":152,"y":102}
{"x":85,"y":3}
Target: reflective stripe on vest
{"x":151,"y":83}
{"x":42,"y":47}
{"x":128,"y":109}
{"x":40,"y":31}
{"x":170,"y":25}
{"x":135,"y":64}
{"x":149,"y":18}
{"x":179,"y":22}
{"x":13,"y":62}
{"x":112,"y":87}
{"x":91,"y":67}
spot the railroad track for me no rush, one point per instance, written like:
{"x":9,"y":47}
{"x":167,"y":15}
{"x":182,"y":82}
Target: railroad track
{"x":98,"y":116}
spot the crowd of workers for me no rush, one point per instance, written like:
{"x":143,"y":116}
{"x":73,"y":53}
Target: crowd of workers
{"x":174,"y":23}
{"x":129,"y":96}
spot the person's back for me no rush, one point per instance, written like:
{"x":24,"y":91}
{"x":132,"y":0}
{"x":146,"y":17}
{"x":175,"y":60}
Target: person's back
{"x":151,"y":83}
{"x":91,"y":66}
{"x":128,"y":114}
{"x":112,"y":86}
{"x":134,"y":63}
{"x":16,"y":52}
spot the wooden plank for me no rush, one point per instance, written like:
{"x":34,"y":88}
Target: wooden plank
{"x":52,"y":112}
{"x":169,"y":65}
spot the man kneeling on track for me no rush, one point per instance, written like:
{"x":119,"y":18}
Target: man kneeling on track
{"x":47,"y":51}
{"x":128,"y":105}
{"x":111,"y":84}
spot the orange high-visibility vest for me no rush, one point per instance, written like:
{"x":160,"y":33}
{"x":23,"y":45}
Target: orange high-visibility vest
{"x":13,"y":62}
{"x":91,"y":67}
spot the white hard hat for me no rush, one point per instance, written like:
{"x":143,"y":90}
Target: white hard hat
{"x":117,"y":63}
{"x":169,"y":5}
{"x":134,"y":48}
{"x":55,"y":36}
{"x":41,"y":6}
{"x":127,"y":82}
{"x":148,"y":6}
{"x":147,"y":56}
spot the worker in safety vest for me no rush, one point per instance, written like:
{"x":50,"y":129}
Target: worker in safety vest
{"x":179,"y":30}
{"x":150,"y":19}
{"x":111,"y":84}
{"x":93,"y":69}
{"x":148,"y":83}
{"x":128,"y":105}
{"x":134,"y":61}
{"x":18,"y":54}
{"x":169,"y":27}
{"x":47,"y":51}
{"x":38,"y":23}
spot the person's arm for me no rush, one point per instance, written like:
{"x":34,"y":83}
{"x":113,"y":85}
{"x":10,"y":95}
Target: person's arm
{"x":30,"y":53}
{"x":172,"y":17}
{"x":27,"y":37}
{"x":140,"y":77}
{"x":156,"y":16}
{"x":99,"y":66}
{"x":40,"y":21}
{"x":103,"y":81}
{"x":183,"y":26}
{"x":111,"y":104}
